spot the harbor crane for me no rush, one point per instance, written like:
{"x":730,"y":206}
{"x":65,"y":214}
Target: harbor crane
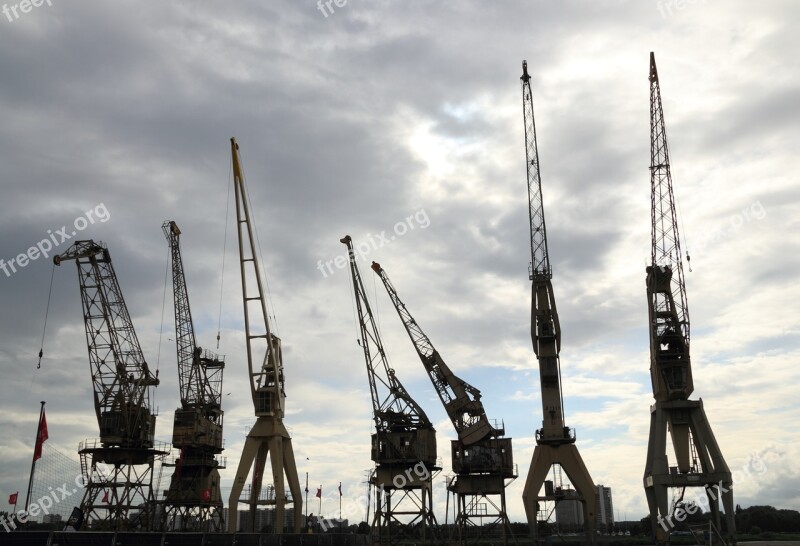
{"x":482,"y":459}
{"x":269,"y":435}
{"x":404,"y":443}
{"x":698,"y":459}
{"x":193,"y":501}
{"x":118,"y":468}
{"x":555,"y":441}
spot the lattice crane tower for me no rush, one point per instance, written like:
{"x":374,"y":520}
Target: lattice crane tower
{"x":118,"y":468}
{"x":699,"y":461}
{"x":193,"y":501}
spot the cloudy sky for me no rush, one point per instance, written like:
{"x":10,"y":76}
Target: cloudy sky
{"x":405,"y":119}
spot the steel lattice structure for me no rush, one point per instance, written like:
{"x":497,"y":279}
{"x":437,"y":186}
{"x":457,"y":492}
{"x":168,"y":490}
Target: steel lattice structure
{"x":699,"y":461}
{"x":117,"y":470}
{"x":404,"y":443}
{"x":193,"y":501}
{"x":482,"y":459}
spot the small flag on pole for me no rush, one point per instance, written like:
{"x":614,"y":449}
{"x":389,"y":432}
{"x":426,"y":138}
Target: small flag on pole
{"x":105,"y":497}
{"x":12,"y":498}
{"x":41,"y":436}
{"x":340,"y":489}
{"x":319,"y":492}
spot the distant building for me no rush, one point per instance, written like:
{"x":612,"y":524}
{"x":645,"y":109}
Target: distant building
{"x":569,"y":513}
{"x":604,"y":511}
{"x":569,"y":510}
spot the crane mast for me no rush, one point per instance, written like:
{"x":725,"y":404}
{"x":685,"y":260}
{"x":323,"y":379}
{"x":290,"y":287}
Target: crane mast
{"x":546,"y":330}
{"x":404,"y":443}
{"x":269,"y":435}
{"x":699,"y":461}
{"x":481,"y":458}
{"x":122,"y":383}
{"x":555,"y":442}
{"x":193,"y":500}
{"x":671,"y":370}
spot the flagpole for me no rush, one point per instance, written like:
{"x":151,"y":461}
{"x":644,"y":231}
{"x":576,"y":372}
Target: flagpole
{"x":320,"y":501}
{"x":33,"y":460}
{"x":306,"y":501}
{"x":340,"y":507}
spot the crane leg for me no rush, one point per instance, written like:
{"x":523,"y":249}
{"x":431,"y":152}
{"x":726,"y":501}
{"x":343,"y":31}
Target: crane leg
{"x":540,"y":466}
{"x":276,"y":459}
{"x":245,"y":463}
{"x":290,"y":467}
{"x":544,"y":457}
{"x":258,"y":480}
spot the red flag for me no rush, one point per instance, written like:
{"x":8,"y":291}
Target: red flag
{"x":206,"y":495}
{"x":340,"y":489}
{"x":12,"y":498}
{"x":319,"y":492}
{"x":105,"y":497}
{"x":41,"y":436}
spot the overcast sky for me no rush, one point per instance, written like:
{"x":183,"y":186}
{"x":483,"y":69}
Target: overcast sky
{"x":406,"y":118}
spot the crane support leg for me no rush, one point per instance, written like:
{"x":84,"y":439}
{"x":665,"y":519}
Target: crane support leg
{"x":282,"y":458}
{"x":566,"y":455}
{"x":687,"y":424}
{"x":249,"y":452}
{"x":267,"y":438}
{"x":290,"y":468}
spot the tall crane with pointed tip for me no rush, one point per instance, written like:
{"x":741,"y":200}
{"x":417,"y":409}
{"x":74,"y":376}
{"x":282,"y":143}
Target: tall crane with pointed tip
{"x":193,"y":501}
{"x":555,"y":442}
{"x":269,"y":435}
{"x":118,"y":469}
{"x":482,"y":459}
{"x":699,"y":461}
{"x":404,"y":442}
